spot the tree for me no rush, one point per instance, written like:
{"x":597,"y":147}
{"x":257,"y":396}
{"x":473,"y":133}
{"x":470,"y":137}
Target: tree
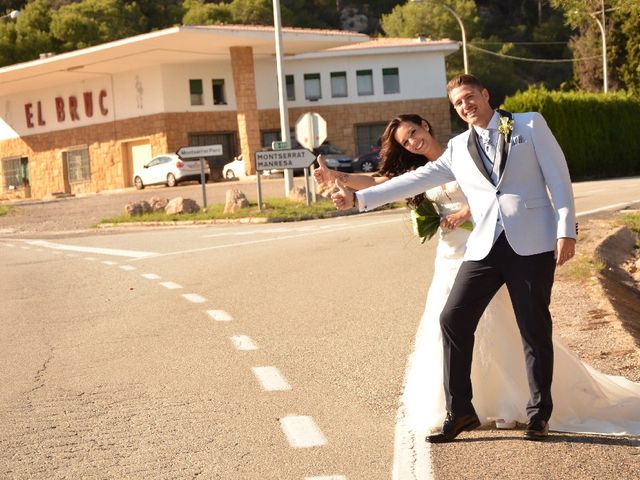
{"x":622,"y":26}
{"x":91,"y":22}
{"x":33,"y":36}
{"x":199,"y":13}
{"x":430,"y":19}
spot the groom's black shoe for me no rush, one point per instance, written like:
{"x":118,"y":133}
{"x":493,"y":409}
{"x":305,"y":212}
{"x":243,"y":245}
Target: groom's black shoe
{"x":537,"y":430}
{"x":453,"y":426}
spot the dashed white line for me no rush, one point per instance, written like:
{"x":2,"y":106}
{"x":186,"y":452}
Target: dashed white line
{"x":109,"y":262}
{"x":10,"y":245}
{"x":151,"y":276}
{"x":219,"y":315}
{"x":25,"y":248}
{"x":91,"y":259}
{"x":271,"y":379}
{"x":194,"y":297}
{"x":302,"y":432}
{"x":128,"y":268}
{"x":171,"y":285}
{"x":243,"y":342}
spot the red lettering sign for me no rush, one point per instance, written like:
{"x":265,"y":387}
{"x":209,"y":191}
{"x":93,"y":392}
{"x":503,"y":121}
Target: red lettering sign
{"x":41,"y":121}
{"x":88,"y":104}
{"x":29,"y":114}
{"x":73,"y":108}
{"x":60,"y":109}
{"x":104,"y":110}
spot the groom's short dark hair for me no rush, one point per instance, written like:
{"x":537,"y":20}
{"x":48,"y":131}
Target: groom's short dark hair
{"x":464,"y":79}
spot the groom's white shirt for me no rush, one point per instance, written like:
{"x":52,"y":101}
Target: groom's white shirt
{"x":535,"y":168}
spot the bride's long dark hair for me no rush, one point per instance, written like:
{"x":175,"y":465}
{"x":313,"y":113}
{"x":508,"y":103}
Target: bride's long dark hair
{"x":396,"y":159}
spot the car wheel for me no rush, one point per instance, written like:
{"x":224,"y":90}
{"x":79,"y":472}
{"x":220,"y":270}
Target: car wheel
{"x":229,"y":175}
{"x":368,"y":166}
{"x":138,"y":182}
{"x":171,"y":180}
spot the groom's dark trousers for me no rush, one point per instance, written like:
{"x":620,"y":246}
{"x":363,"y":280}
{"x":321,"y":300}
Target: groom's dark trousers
{"x":529,"y":280}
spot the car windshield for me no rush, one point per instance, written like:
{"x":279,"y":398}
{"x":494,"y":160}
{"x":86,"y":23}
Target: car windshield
{"x":328,"y":149}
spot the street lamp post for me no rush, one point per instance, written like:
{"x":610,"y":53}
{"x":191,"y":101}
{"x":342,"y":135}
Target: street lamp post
{"x":13,"y":14}
{"x":285,"y":134}
{"x":464,"y":33}
{"x":601,"y":26}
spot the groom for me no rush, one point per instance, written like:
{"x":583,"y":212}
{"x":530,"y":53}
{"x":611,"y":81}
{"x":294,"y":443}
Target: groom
{"x":505,"y":165}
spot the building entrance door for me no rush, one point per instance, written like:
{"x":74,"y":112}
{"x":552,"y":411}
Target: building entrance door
{"x":228,"y":142}
{"x":138,"y":155}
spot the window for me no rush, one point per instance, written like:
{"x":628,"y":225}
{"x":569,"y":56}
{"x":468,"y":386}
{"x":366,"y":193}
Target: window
{"x":390,"y":80}
{"x":312,"y":89}
{"x":77,"y":161}
{"x":365,"y":82}
{"x":338,"y":84}
{"x":11,"y":168}
{"x":291,"y":87}
{"x":195,"y":89}
{"x":219,"y":97}
{"x":367,"y":137}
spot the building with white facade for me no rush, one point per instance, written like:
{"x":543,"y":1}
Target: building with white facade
{"x":82,"y":121}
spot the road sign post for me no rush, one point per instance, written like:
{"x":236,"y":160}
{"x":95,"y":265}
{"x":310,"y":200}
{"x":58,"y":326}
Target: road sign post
{"x":201,"y":152}
{"x":282,"y":159}
{"x":311,"y":131}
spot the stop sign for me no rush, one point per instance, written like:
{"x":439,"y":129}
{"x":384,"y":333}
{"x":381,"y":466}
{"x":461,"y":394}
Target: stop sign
{"x":311,"y":130}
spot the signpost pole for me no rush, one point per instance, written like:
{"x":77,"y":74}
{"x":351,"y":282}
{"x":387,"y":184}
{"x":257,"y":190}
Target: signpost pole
{"x":203,"y":182}
{"x":258,"y":172}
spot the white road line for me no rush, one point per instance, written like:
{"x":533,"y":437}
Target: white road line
{"x":302,"y":432}
{"x":243,"y":342}
{"x":602,"y":209}
{"x":91,"y":259}
{"x":194,"y":297}
{"x":274,"y":239}
{"x":25,"y":248}
{"x":271,"y":379}
{"x":151,"y":276}
{"x":110,"y":262}
{"x":128,"y":268}
{"x":219,"y":315}
{"x":327,"y":477}
{"x":9,"y":245}
{"x":170,"y":285}
{"x":97,"y":250}
{"x":71,"y":255}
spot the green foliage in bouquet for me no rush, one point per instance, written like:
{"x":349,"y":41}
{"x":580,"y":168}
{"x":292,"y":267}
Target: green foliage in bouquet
{"x":426,"y":221}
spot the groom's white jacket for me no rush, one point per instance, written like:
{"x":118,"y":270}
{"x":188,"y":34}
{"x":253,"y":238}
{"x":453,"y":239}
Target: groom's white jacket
{"x":535,"y":167}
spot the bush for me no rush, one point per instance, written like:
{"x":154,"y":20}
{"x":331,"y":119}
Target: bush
{"x":599,"y":134}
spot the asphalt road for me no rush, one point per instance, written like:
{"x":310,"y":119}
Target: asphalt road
{"x":270,"y":351}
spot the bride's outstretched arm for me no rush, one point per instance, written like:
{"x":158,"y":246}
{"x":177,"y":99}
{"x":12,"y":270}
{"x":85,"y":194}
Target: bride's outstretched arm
{"x":355,"y":181}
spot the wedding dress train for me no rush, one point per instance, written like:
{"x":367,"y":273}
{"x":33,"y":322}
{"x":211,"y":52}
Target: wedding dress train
{"x":585,"y":400}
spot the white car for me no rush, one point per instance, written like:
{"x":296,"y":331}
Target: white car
{"x":169,"y":169}
{"x":234,"y":169}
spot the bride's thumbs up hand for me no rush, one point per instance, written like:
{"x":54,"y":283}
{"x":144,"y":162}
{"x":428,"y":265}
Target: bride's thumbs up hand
{"x":342,"y":198}
{"x":323,"y":174}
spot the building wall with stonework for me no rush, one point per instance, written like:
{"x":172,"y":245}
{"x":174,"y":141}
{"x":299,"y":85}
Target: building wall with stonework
{"x":84,"y":136}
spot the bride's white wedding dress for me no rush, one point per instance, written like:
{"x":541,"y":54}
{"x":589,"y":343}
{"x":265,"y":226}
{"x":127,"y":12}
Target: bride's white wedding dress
{"x":585,"y":400}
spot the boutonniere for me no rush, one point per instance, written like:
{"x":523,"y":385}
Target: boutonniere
{"x":505,"y":125}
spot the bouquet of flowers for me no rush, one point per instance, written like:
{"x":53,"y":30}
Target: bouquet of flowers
{"x":426,"y":220}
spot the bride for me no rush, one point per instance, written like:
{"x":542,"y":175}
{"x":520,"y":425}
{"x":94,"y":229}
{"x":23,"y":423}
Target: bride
{"x":585,"y":400}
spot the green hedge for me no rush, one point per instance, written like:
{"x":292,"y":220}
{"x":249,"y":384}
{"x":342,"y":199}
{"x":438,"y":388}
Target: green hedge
{"x":599,"y":134}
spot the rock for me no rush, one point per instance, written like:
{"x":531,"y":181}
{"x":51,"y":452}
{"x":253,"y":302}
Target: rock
{"x":181,"y":205}
{"x":298,"y":194}
{"x":235,"y":200}
{"x":135,"y":209}
{"x":158,"y":203}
